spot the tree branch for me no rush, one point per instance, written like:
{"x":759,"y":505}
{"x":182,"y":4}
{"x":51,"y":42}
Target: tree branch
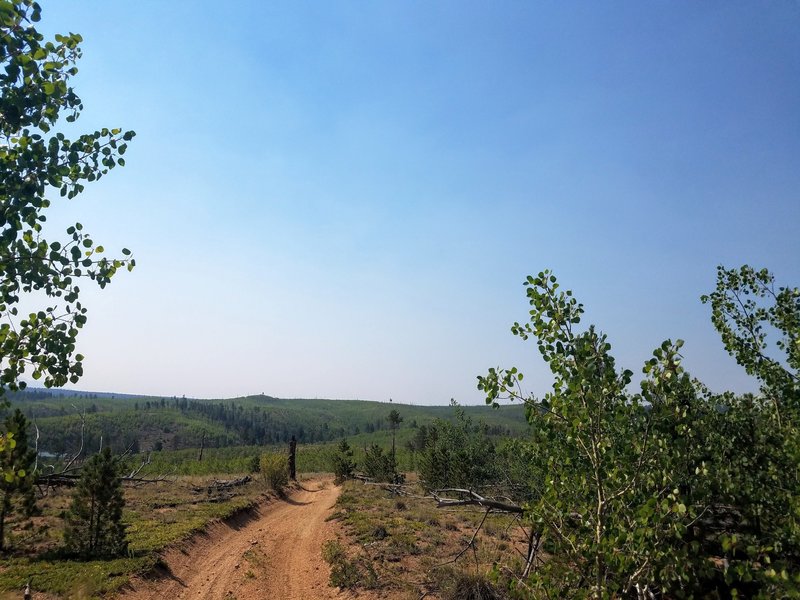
{"x":473,"y":499}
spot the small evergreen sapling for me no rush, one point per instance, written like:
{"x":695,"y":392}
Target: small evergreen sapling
{"x":379,"y":466}
{"x":94,"y":521}
{"x":343,"y":464}
{"x":394,"y":419}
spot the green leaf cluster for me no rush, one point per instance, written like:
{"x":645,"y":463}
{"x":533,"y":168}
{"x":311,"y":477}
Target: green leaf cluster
{"x":671,"y":490}
{"x":35,"y":163}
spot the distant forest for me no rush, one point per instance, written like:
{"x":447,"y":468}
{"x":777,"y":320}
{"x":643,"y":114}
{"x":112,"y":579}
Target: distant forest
{"x":152,"y":423}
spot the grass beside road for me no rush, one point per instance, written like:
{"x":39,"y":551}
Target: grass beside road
{"x":157,"y":515}
{"x":404,"y":546}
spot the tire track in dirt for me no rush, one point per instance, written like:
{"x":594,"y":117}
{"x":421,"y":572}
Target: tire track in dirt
{"x":275,"y":553}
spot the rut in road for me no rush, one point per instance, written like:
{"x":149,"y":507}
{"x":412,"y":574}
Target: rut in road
{"x":274,"y":554}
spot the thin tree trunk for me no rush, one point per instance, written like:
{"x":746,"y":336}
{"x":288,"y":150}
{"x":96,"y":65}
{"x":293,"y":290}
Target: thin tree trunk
{"x":3,"y":522}
{"x":91,"y":525}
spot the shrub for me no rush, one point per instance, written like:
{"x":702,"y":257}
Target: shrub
{"x":672,"y":491}
{"x":275,"y":469}
{"x":347,"y":573}
{"x":254,"y":464}
{"x":380,"y":466}
{"x":343,"y":463}
{"x":463,"y":585}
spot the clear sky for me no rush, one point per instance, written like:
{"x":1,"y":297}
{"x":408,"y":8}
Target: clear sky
{"x":342,"y":199}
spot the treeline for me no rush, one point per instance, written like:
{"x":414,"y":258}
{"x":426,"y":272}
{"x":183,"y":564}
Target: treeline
{"x":264,"y":425}
{"x":128,"y":430}
{"x":146,"y":424}
{"x":256,"y":425}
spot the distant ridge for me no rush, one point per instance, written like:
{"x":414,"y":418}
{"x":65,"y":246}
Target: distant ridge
{"x":64,"y":392}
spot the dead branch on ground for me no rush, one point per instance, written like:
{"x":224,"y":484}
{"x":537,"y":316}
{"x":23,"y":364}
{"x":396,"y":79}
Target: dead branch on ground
{"x":470,"y":544}
{"x":470,"y":498}
{"x":68,"y":475}
{"x":219,"y":485}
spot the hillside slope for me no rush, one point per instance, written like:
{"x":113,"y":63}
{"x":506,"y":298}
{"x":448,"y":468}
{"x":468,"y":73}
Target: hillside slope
{"x":148,"y":423}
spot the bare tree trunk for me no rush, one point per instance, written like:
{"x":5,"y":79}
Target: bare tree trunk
{"x":293,"y":459}
{"x":91,"y":526}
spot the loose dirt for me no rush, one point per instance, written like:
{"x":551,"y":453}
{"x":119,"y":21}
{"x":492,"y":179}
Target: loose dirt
{"x":273,"y":552}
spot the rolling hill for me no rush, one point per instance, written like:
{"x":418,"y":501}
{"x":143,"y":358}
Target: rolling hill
{"x":154,"y":423}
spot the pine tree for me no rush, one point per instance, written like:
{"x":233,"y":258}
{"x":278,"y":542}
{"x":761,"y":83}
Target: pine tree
{"x":343,"y":463}
{"x":17,"y":459}
{"x":94,"y":522}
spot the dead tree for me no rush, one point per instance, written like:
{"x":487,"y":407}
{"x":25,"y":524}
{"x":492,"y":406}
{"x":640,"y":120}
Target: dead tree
{"x":202,"y":446}
{"x":69,"y":474}
{"x":293,"y":459}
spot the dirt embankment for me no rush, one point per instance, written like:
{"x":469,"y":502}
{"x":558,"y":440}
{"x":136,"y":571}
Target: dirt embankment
{"x":271,"y":552}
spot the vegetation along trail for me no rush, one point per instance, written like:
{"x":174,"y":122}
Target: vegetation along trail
{"x":274,"y":553}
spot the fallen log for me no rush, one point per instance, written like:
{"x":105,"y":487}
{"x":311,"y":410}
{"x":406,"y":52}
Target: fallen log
{"x":219,"y":485}
{"x":470,"y":498}
{"x":58,"y":479}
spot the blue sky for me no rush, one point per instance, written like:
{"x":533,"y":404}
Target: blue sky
{"x":343,"y":199}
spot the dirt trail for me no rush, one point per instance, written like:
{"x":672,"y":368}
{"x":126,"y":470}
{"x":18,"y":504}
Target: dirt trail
{"x":275,"y":553}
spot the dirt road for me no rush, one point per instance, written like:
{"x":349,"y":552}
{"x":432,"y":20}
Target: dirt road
{"x":273,"y":553}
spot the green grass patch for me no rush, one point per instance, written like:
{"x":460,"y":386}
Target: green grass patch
{"x":156,"y":517}
{"x":72,"y":578}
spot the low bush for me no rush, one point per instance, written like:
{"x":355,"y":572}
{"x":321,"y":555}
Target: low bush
{"x":471,"y":586}
{"x":274,"y":468}
{"x":346,"y":573}
{"x":254,"y":464}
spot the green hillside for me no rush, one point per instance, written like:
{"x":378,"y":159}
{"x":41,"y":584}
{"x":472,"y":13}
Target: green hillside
{"x":148,"y":423}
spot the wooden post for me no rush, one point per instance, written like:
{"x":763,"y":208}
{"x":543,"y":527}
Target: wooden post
{"x":293,"y":459}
